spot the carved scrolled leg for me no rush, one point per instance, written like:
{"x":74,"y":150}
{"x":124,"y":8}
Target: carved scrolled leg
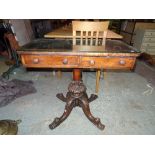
{"x":92,"y":98}
{"x":61,"y":97}
{"x":87,"y":112}
{"x":77,"y":96}
{"x":58,"y":120}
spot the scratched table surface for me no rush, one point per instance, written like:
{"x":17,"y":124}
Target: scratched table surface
{"x":66,"y":45}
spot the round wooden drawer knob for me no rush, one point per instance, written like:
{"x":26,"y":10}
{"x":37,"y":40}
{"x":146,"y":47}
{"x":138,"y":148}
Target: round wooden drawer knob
{"x":122,"y":62}
{"x":92,"y":62}
{"x":35,"y":60}
{"x":65,"y":61}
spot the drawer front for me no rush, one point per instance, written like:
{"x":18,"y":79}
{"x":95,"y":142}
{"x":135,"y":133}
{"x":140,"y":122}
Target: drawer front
{"x":149,"y":33}
{"x":148,"y":44}
{"x":47,"y":61}
{"x":150,"y":40}
{"x":148,"y":50}
{"x":151,"y":51}
{"x":43,"y":61}
{"x":107,"y":63}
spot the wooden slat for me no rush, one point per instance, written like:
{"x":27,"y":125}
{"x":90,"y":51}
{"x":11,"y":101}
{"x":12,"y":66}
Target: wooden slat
{"x":91,"y":39}
{"x":104,"y":37}
{"x":97,"y":34}
{"x":81,"y":38}
{"x":74,"y":37}
{"x":86,"y":37}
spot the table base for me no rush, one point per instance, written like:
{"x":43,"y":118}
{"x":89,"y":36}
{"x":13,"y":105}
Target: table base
{"x":77,"y":96}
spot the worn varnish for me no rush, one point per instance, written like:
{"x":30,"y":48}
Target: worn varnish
{"x":53,"y":53}
{"x":45,"y":61}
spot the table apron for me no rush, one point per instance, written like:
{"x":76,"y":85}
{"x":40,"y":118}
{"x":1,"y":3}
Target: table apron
{"x":64,"y":61}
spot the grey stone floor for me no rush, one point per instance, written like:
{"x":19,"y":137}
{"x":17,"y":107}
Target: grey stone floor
{"x":126,"y":105}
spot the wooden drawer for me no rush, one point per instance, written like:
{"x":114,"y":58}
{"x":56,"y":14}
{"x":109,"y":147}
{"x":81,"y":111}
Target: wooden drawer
{"x":148,"y":40}
{"x":149,"y":33}
{"x":148,"y":44}
{"x":43,"y":61}
{"x":48,"y":61}
{"x":149,"y":51}
{"x":107,"y":63}
{"x":147,"y":48}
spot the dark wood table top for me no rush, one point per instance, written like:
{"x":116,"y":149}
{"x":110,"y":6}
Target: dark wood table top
{"x":64,"y":46}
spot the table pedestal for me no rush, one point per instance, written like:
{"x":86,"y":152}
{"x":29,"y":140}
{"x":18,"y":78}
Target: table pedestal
{"x":76,"y":96}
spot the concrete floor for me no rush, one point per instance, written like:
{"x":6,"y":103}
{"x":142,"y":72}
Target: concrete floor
{"x":126,"y":105}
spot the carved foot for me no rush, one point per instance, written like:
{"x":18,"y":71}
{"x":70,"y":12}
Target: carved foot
{"x":87,"y":112}
{"x":92,"y":98}
{"x":55,"y":123}
{"x":95,"y":121}
{"x":68,"y":108}
{"x":61,"y":97}
{"x":98,"y":123}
